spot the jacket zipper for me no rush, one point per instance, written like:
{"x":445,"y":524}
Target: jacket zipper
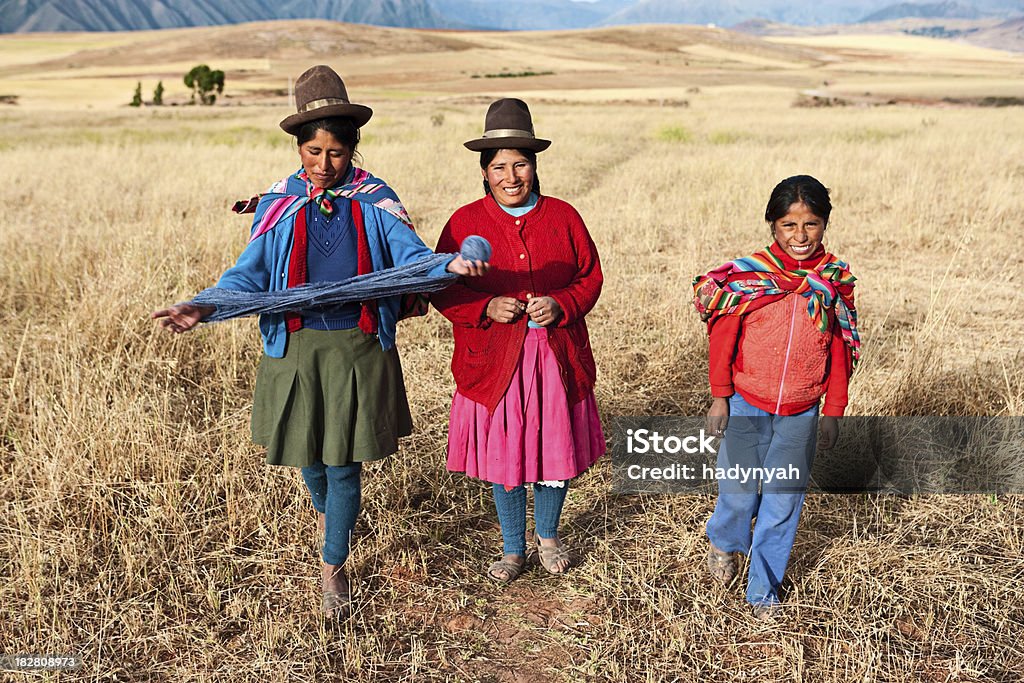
{"x":789,"y":346}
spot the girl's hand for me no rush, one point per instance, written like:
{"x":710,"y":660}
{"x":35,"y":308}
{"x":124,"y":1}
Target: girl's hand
{"x":543,"y":310}
{"x":718,"y":416}
{"x":181,"y":317}
{"x":504,"y":309}
{"x":828,"y":432}
{"x":461,"y":266}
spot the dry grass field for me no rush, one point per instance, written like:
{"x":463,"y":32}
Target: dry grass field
{"x":141,"y":529}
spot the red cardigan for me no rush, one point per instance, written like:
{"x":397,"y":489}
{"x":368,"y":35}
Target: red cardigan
{"x":546,"y":252}
{"x":777,"y":359}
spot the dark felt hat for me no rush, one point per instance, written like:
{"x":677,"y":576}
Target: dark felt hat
{"x":508,"y":125}
{"x":319,"y":94}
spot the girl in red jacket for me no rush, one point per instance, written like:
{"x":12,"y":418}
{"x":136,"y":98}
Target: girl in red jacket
{"x":524,"y":409}
{"x":783,"y":334}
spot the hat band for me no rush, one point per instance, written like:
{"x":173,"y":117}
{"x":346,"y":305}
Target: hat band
{"x":317,"y":104}
{"x":507,"y":133}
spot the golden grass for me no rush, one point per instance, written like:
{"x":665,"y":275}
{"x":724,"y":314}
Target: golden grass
{"x":133,"y":70}
{"x":20,"y":49}
{"x":100,"y":70}
{"x":722,"y":54}
{"x":143,"y":531}
{"x":901,"y":44}
{"x":913,"y":85}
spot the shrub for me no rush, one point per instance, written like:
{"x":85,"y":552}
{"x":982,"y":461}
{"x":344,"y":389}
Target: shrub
{"x":675,"y":134}
{"x":204,"y":81}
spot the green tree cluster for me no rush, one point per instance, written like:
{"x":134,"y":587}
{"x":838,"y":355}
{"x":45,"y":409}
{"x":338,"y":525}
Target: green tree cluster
{"x":158,"y":95}
{"x":205,"y":82}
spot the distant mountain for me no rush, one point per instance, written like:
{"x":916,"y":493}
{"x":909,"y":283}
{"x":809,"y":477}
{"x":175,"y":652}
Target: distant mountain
{"x":528,"y":14}
{"x":929,"y":10}
{"x":800,"y":12}
{"x":1008,"y":35}
{"x":764,"y":27}
{"x":720,"y":12}
{"x":731,"y":12}
{"x":127,"y":15}
{"x":134,"y":15}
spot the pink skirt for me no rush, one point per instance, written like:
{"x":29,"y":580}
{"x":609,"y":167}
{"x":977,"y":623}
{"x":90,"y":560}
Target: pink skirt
{"x":533,"y":434}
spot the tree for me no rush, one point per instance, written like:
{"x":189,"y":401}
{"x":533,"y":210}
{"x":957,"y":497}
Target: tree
{"x":204,"y":81}
{"x":137,"y":97}
{"x":158,"y":94}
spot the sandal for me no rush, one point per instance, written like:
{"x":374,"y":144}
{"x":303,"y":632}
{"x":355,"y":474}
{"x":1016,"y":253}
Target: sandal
{"x":336,"y":606}
{"x":509,"y":571}
{"x":766,"y":611}
{"x":550,"y":556}
{"x":722,"y":565}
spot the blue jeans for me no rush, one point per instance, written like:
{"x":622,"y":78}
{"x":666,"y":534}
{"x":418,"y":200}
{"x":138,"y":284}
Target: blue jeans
{"x":511,"y":507}
{"x":756,"y":438}
{"x":336,"y":492}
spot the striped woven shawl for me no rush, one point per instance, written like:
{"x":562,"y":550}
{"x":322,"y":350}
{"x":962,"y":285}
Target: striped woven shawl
{"x":746,"y":284}
{"x":295,"y":191}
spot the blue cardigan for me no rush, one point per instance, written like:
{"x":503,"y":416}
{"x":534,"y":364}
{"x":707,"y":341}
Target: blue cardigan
{"x":263,"y":265}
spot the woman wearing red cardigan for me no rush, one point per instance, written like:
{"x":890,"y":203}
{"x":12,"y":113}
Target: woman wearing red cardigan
{"x":524,"y":409}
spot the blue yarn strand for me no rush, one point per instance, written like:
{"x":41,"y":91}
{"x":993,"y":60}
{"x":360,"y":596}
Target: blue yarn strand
{"x":308,"y":299}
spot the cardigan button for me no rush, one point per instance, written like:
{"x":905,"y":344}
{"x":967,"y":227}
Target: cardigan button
{"x":522,"y":256}
{"x":517,"y":221}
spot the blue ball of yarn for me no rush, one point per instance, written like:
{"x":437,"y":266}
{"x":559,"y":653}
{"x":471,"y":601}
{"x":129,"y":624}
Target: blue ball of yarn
{"x":476,"y":248}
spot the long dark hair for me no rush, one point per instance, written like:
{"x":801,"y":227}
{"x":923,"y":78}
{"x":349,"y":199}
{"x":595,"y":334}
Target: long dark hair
{"x":797,"y":189}
{"x":487,"y":156}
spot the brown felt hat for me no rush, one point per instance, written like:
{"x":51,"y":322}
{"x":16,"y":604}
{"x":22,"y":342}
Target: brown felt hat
{"x":508,"y":125}
{"x":320,"y":93}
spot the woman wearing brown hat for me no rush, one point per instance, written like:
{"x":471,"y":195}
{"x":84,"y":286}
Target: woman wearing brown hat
{"x":329,"y":392}
{"x":524,"y":409}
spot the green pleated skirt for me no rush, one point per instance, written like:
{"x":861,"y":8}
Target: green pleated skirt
{"x":335,"y":397}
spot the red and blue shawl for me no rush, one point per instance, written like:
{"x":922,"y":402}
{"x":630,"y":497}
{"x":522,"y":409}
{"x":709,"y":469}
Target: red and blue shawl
{"x":289,"y":196}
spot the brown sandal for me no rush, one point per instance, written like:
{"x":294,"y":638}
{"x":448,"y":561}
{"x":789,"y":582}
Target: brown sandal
{"x":510,"y":571}
{"x":722,"y":565}
{"x":550,"y":556}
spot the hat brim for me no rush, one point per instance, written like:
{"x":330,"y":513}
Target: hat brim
{"x":532,"y":144}
{"x":357,"y":112}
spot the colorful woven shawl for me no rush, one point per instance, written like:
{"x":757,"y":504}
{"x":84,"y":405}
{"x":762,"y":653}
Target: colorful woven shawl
{"x":735,"y":289}
{"x":289,"y":195}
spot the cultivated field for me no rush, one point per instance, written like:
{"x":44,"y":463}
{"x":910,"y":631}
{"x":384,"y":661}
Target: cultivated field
{"x":142,"y":530}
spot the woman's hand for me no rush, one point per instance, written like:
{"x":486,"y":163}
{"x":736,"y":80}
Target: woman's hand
{"x":718,"y":416}
{"x":828,"y":432}
{"x":182,"y":317}
{"x":505,"y":309}
{"x":543,"y":310}
{"x":461,"y":266}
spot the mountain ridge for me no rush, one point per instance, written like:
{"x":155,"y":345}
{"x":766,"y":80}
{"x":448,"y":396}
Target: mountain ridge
{"x":17,"y":16}
{"x":947,"y":9}
{"x":25,"y":16}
